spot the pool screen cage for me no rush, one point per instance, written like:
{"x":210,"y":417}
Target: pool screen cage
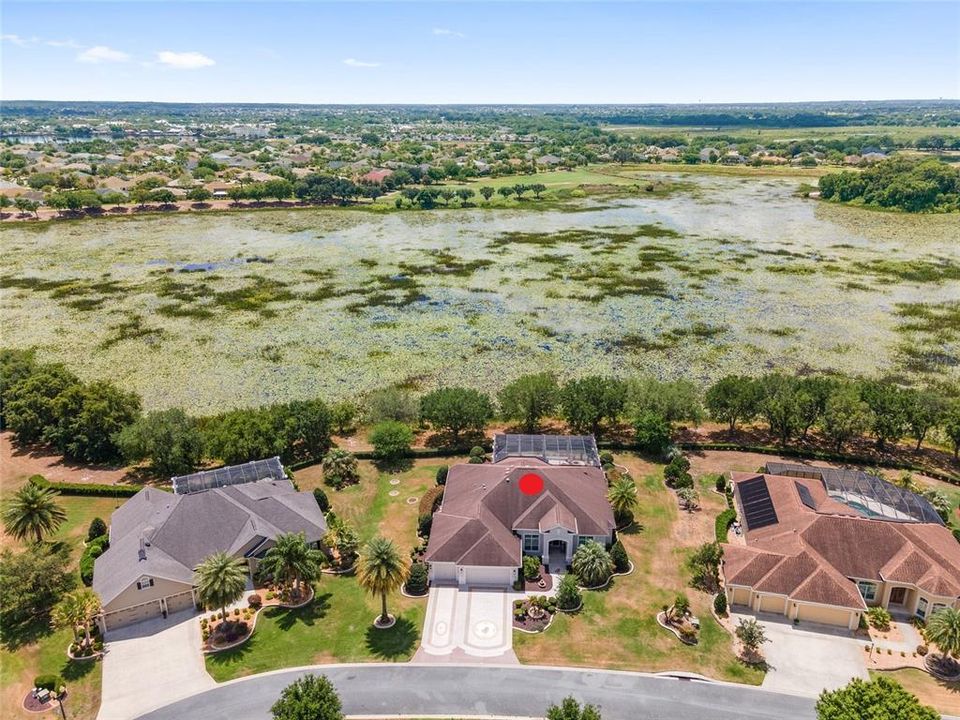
{"x":552,"y":449}
{"x":868,"y":494}
{"x":269,"y":469}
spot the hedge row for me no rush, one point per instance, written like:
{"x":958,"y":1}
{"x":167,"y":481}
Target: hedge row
{"x":826,"y":456}
{"x":723,"y":523}
{"x":87,"y":489}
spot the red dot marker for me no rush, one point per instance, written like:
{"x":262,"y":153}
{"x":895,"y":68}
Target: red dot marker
{"x":531,"y":484}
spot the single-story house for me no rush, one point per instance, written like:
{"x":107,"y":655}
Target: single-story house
{"x":157,"y":539}
{"x":487,"y":523}
{"x":376,"y":176}
{"x":822,"y":545}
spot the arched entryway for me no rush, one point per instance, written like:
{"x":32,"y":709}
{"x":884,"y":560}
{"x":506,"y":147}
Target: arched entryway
{"x":556,"y":559}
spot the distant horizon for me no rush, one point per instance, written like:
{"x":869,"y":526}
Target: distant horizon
{"x":480,"y":53}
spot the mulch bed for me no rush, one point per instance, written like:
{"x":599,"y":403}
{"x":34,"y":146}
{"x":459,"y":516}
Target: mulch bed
{"x":31,"y":704}
{"x":534,"y":585}
{"x":531,"y":625}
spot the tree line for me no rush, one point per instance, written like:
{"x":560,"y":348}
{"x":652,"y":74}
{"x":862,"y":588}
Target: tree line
{"x":98,"y":422}
{"x":899,"y":183}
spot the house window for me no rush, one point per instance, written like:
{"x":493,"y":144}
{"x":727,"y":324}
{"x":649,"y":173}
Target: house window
{"x":531,"y":543}
{"x":868,"y":590}
{"x":144,"y":583}
{"x":937,"y":607}
{"x":922,"y":608}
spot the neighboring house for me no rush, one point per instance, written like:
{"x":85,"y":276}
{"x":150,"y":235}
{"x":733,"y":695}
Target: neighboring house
{"x":486,"y":524}
{"x":376,"y":176}
{"x":549,"y":160}
{"x":824,"y":544}
{"x":157,"y":539}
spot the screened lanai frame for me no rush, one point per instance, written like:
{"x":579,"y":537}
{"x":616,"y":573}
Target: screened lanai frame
{"x":868,"y":494}
{"x":269,"y":469}
{"x":551,"y":449}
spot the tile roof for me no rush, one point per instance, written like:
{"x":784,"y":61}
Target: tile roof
{"x":163,"y":535}
{"x":811,"y":554}
{"x":483,"y":506}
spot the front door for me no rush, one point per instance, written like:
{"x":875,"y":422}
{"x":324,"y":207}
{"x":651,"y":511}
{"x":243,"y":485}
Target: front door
{"x":557,"y":556}
{"x":898,"y":595}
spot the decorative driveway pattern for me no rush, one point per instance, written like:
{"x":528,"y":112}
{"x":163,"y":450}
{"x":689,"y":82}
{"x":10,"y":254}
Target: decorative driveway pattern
{"x":467,"y":624}
{"x":808,"y":658}
{"x":151,"y":664}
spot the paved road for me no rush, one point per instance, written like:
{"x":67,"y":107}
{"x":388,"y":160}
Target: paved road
{"x":457,"y":691}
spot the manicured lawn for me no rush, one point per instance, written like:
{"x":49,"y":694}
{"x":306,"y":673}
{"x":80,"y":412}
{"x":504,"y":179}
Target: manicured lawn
{"x":39,"y":650}
{"x":336,"y":627}
{"x":945,"y":697}
{"x":617,"y":627}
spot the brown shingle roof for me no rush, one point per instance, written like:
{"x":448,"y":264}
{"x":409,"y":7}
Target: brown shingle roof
{"x":483,"y":505}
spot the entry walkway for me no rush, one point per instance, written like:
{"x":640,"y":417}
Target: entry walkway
{"x":151,"y":664}
{"x":467,"y":624}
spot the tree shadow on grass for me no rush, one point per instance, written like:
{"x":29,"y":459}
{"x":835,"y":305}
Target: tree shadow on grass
{"x":14,"y":636}
{"x":76,"y":670}
{"x":397,"y":465}
{"x":316,"y":610}
{"x":393,"y":643}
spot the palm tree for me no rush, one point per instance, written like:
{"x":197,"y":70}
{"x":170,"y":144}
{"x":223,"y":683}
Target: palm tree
{"x":220,"y":580}
{"x":75,"y":610}
{"x":292,"y":559}
{"x":33,"y":510}
{"x":623,"y":497}
{"x":943,"y":628}
{"x":592,"y":563}
{"x":381,"y":570}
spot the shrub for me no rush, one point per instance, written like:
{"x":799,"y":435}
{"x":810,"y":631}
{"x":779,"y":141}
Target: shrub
{"x":618,"y":553}
{"x":651,"y":433}
{"x":721,"y":483}
{"x":340,"y":468}
{"x":592,"y":564}
{"x":442,"y":472}
{"x":606,"y":457}
{"x":677,"y":473}
{"x":568,"y":594}
{"x":391,"y":440}
{"x":531,"y":568}
{"x":922,"y":650}
{"x":97,"y":528}
{"x":879,"y":618}
{"x":430,"y":500}
{"x":49,"y":682}
{"x":417,"y":579}
{"x":94,"y":549}
{"x":681,"y":605}
{"x":723,"y":522}
{"x":720,"y":604}
{"x":424,"y":523}
{"x":322,"y":500}
{"x":86,"y":489}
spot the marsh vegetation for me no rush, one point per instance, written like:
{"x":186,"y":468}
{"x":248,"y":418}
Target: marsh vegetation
{"x":728,"y":275}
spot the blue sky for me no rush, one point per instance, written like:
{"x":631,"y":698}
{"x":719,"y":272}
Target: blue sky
{"x":500,"y":52}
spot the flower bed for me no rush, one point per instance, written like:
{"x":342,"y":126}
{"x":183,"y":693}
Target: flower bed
{"x":219,"y":633}
{"x":542,"y":583}
{"x":74,"y":652}
{"x":683,"y":628}
{"x":534,"y":614}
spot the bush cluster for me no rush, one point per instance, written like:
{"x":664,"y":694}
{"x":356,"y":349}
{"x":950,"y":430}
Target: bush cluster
{"x":723,"y":522}
{"x":49,"y":682}
{"x":417,"y":579}
{"x":94,"y":549}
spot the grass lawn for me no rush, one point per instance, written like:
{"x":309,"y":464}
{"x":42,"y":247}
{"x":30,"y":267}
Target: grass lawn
{"x":39,"y":650}
{"x":945,"y":697}
{"x":336,"y":627}
{"x":617,"y":627}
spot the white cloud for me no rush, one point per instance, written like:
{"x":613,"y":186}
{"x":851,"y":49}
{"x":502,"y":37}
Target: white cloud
{"x":184,"y":60}
{"x":15,"y":39}
{"x":63,"y":44}
{"x":448,"y":32}
{"x":101,"y":54}
{"x":353,"y":62}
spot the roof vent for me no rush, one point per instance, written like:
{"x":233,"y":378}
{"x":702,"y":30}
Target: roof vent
{"x":142,"y":552}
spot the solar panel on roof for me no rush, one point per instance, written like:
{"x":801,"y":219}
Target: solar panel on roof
{"x":758,"y":510}
{"x":805,"y":497}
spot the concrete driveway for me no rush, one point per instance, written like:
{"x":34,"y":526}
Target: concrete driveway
{"x":467,"y":624}
{"x":808,"y":658}
{"x":151,"y":664}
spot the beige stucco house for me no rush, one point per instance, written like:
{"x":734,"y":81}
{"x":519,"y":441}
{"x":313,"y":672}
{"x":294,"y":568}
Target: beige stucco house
{"x":823,"y":545}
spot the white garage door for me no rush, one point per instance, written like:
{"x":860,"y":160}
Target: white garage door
{"x":443,"y":572}
{"x":132,"y":615}
{"x":486,"y":576}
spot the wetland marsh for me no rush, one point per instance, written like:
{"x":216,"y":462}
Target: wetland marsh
{"x":210,"y":312}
